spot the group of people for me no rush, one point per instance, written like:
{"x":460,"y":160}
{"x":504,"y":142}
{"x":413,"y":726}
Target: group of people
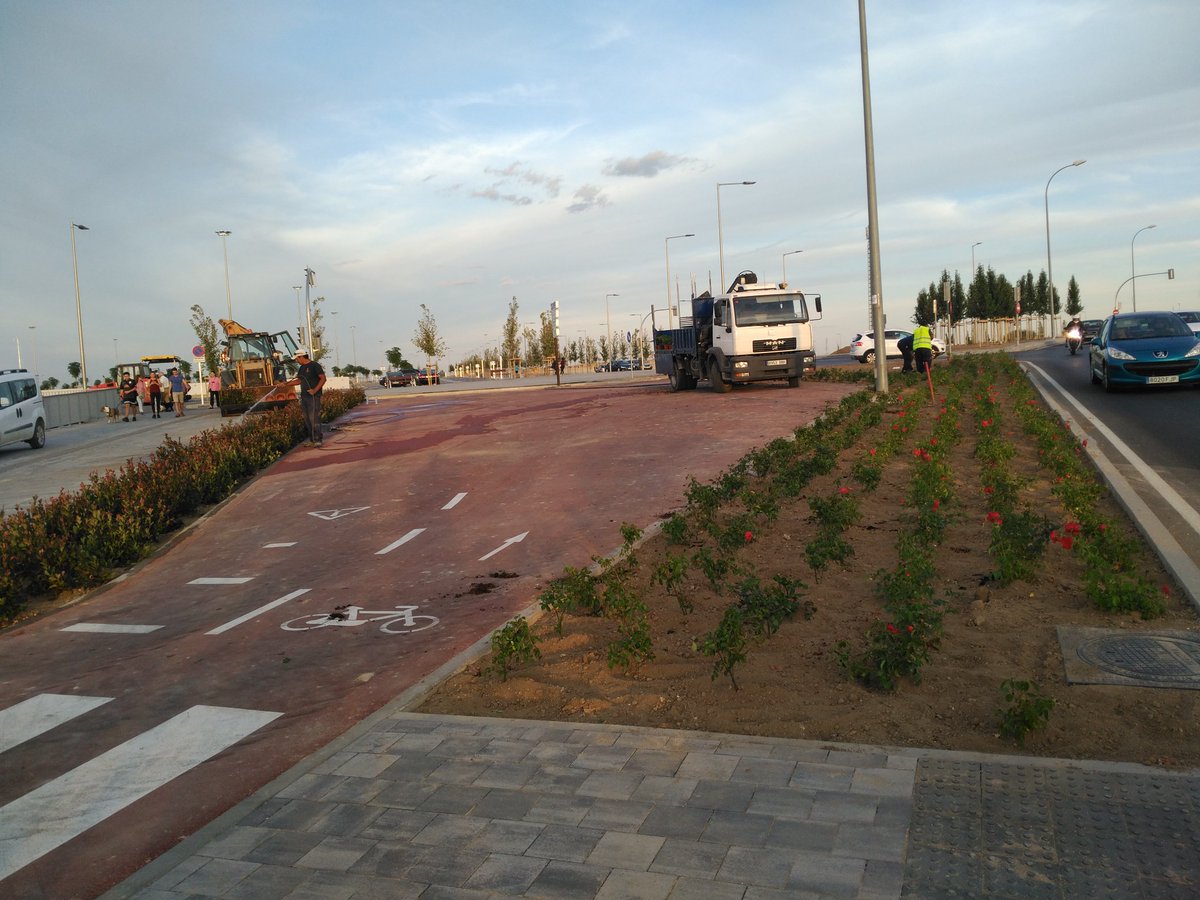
{"x":917,"y":347}
{"x":157,"y":390}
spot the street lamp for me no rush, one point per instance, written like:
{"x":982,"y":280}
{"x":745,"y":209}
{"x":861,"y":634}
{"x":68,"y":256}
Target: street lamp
{"x":225,"y":248}
{"x":300,"y":319}
{"x":337,"y":344}
{"x":78,"y":310}
{"x":784,"y":260}
{"x":1049,"y":265}
{"x":720,"y":238}
{"x":608,"y":327}
{"x":973,"y":246}
{"x":1132,"y":267}
{"x":667,"y":251}
{"x":353,"y":346}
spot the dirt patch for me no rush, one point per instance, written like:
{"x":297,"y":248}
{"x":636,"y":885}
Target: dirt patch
{"x":791,"y":685}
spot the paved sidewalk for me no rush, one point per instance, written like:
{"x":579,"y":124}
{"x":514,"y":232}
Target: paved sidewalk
{"x":432,"y":806}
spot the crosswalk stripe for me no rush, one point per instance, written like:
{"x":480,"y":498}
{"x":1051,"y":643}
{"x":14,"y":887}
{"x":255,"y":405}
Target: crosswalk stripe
{"x":39,"y":714}
{"x":220,"y":580}
{"x":49,"y":816}
{"x":111,"y":628}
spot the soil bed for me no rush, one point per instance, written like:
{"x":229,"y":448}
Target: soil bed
{"x":791,"y":684}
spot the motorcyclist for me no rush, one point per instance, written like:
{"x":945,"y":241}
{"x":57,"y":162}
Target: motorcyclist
{"x":1074,"y":332}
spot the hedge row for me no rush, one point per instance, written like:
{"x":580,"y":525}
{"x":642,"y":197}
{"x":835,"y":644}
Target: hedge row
{"x":79,"y":539}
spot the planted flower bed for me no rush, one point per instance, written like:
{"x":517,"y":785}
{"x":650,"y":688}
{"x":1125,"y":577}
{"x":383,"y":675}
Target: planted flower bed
{"x":892,"y":574}
{"x":81,"y":538}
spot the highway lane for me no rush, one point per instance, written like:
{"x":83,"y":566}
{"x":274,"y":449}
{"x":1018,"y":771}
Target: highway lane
{"x":142,"y":713}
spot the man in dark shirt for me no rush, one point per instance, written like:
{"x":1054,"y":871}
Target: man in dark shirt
{"x":312,"y":379}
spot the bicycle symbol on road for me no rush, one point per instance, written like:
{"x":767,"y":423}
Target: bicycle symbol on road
{"x":400,"y":620}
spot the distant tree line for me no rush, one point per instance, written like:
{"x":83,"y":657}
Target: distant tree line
{"x":993,"y":296}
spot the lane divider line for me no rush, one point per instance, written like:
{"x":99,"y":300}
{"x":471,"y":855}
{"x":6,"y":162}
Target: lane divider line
{"x":110,"y":628}
{"x":399,"y":542}
{"x":221,"y":629}
{"x":453,"y":503}
{"x":279,"y":544}
{"x":221,"y":580}
{"x":49,"y":816}
{"x":37,"y":715}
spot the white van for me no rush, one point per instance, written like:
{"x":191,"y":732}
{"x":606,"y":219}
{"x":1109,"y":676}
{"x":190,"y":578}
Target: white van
{"x":22,"y":412}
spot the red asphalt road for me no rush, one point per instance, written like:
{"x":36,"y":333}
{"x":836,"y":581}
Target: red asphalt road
{"x":568,"y":466}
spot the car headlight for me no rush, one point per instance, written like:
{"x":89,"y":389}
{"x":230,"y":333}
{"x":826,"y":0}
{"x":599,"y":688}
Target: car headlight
{"x":1195,"y":351}
{"x":1120,"y":354}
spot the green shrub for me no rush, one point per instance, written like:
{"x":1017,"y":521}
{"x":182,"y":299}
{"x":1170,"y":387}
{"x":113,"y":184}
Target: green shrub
{"x":1028,"y":709}
{"x":512,"y":645}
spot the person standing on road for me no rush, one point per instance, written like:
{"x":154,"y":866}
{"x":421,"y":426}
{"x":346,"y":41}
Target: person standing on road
{"x":214,"y":389}
{"x":154,"y":394}
{"x":179,"y":389}
{"x":128,"y":391}
{"x":922,"y":344}
{"x":904,"y":345}
{"x":312,"y":379}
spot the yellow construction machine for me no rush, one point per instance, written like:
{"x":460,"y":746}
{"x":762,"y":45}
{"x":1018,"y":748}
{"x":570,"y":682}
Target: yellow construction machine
{"x":258,"y":369}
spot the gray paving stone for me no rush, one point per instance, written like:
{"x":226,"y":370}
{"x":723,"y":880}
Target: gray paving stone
{"x":706,"y":765}
{"x":830,"y":806}
{"x":610,"y":785}
{"x":389,"y":860}
{"x":346,"y":819}
{"x":758,"y":770}
{"x":506,"y":775}
{"x":311,"y":786}
{"x":453,"y":798}
{"x":826,"y":875}
{"x":559,"y":809}
{"x":458,"y":747}
{"x":568,"y":881}
{"x":446,"y":865}
{"x":267,"y":883}
{"x":502,"y":836}
{"x":237,"y":842}
{"x":397,"y":825}
{"x":457,"y":771}
{"x":298,"y":815}
{"x":336,"y":853}
{"x":676,"y":822}
{"x":738,"y":829}
{"x":782,"y":802}
{"x":356,"y":790}
{"x":655,"y":762}
{"x":422,"y":743}
{"x":883,"y":782}
{"x":506,"y":873}
{"x":449,"y":831}
{"x":722,"y":795}
{"x":622,"y":850}
{"x":557,"y":780}
{"x":283,"y":848}
{"x":404,"y":794}
{"x":331,"y":762}
{"x":565,"y":843}
{"x":406,"y":766}
{"x":755,"y":866}
{"x":663,"y":789}
{"x":623,"y":885}
{"x":604,"y":759}
{"x":215,"y":877}
{"x":878,"y":842}
{"x":445,"y":892}
{"x":503,"y":804}
{"x":704,"y":889}
{"x":502,"y":749}
{"x":324,"y":885}
{"x":374,"y":742}
{"x":695,"y":859}
{"x":822,"y":777}
{"x":795,"y":835}
{"x":366,"y":765}
{"x":616,"y":815}
{"x":556,"y":754}
{"x":858,"y":759}
{"x":882,"y":880}
{"x":746,"y":746}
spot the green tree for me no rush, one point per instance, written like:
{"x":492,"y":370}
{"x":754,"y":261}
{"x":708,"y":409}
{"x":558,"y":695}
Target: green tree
{"x":1074,"y":304}
{"x":319,"y":349}
{"x":396,"y":359}
{"x":510,"y":343}
{"x":50,"y":383}
{"x":546,"y":336}
{"x":74,"y":369}
{"x":533,"y":346}
{"x":426,"y":337}
{"x":206,"y":334}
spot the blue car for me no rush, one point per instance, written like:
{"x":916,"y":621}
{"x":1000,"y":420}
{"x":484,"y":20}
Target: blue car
{"x":1145,"y":348}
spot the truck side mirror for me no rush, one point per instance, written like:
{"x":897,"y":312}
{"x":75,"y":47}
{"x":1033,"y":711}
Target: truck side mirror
{"x":817,"y":302}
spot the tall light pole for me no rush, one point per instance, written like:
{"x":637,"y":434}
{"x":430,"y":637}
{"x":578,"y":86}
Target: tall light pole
{"x":310,"y":278}
{"x":300,"y":318}
{"x":1049,"y":265}
{"x":78,"y":310}
{"x":783,"y":259}
{"x":225,"y":248}
{"x":667,"y":251}
{"x":1132,"y":266}
{"x":973,"y":246}
{"x":608,"y":328}
{"x":720,"y":238}
{"x":877,"y":316}
{"x":354,"y":346}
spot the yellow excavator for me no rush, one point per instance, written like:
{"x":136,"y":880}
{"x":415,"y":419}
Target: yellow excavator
{"x":258,"y":369}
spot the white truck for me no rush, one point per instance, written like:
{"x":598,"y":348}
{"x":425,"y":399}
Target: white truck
{"x":755,"y":332}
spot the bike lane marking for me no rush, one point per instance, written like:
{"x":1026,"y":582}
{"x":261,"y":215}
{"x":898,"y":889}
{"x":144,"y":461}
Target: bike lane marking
{"x":458,"y":498}
{"x":111,"y":628}
{"x":29,"y":718}
{"x":279,"y":544}
{"x":267,"y":607}
{"x":49,"y":816}
{"x":515,"y":539}
{"x":399,"y":542}
{"x":214,"y":580}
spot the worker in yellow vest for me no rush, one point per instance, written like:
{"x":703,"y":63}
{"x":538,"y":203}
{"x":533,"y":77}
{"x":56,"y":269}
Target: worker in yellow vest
{"x":922,"y":345}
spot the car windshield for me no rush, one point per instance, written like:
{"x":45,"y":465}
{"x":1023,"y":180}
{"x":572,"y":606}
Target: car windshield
{"x":775,"y":310}
{"x":1189,"y":316}
{"x":1135,"y":328}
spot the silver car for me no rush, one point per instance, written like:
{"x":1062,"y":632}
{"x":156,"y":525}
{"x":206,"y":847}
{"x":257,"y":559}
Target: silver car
{"x":862,"y":347}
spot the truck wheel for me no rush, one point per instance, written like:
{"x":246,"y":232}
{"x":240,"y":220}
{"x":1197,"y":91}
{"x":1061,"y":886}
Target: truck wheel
{"x":719,"y":384}
{"x":674,"y":378}
{"x":794,"y":381}
{"x":687,"y":381}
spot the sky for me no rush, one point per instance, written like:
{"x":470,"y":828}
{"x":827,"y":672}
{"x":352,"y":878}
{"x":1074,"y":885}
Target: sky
{"x":460,"y":154}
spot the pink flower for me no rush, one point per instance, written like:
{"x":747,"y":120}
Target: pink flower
{"x":749,"y":536}
{"x":1067,"y":542}
{"x":1053,"y":535}
{"x":892,"y":628}
{"x":937,"y":503}
{"x":843,"y":491}
{"x":872,"y":451}
{"x":910,"y":629}
{"x":989,"y":489}
{"x":994,"y":518}
{"x":986,"y":423}
{"x":917,"y":452}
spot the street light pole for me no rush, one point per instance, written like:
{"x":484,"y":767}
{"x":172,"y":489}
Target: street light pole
{"x":1049,"y":265}
{"x":337,"y":344}
{"x":973,"y":246}
{"x":1132,"y":266}
{"x":608,"y":327}
{"x":300,"y":319}
{"x":784,"y":260}
{"x":720,"y":237}
{"x":877,"y":317}
{"x":78,"y":310}
{"x":225,"y":249}
{"x":667,"y":251}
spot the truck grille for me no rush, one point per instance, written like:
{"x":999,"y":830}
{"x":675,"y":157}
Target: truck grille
{"x":771,"y":345}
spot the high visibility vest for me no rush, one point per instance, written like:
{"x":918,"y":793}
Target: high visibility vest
{"x":922,"y":340}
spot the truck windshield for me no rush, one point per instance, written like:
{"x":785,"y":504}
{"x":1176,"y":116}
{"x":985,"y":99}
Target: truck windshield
{"x":775,"y":310}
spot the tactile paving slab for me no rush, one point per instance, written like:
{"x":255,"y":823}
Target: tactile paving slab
{"x":1164,"y":659}
{"x":991,"y":829}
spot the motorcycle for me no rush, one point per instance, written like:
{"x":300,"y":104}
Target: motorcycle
{"x":1074,"y":340}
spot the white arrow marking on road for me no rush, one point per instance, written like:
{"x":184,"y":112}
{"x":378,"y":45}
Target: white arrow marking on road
{"x":111,"y":628}
{"x":49,"y":816}
{"x":396,"y":543}
{"x":512,"y":540}
{"x":330,"y":514}
{"x":32,"y":717}
{"x":221,"y":629}
{"x":220,"y":580}
{"x":453,"y":503}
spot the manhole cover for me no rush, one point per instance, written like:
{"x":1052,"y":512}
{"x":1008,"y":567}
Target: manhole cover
{"x":1151,"y":659}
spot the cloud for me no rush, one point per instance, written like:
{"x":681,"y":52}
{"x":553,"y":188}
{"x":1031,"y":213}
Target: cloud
{"x":551,"y":184}
{"x":646,"y":166}
{"x":587,"y":197}
{"x":493,"y":193}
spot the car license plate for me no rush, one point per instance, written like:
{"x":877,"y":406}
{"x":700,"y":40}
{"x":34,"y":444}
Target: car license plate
{"x":777,"y":362}
{"x":1162,"y":379}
